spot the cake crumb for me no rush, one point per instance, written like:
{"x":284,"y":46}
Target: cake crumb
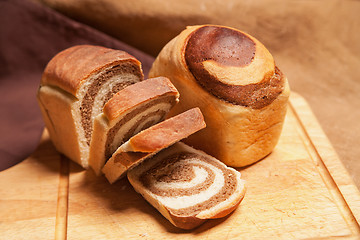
{"x":143,"y":234}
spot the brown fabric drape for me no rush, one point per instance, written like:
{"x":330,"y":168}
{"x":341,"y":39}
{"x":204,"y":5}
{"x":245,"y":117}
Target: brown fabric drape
{"x":30,"y":35}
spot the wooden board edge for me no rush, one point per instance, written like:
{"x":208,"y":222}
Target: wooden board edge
{"x":329,"y":160}
{"x":61,"y":217}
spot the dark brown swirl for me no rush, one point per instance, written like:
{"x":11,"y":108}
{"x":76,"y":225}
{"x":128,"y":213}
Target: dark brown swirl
{"x":112,"y":132}
{"x":89,"y":98}
{"x":228,"y":47}
{"x":167,"y":171}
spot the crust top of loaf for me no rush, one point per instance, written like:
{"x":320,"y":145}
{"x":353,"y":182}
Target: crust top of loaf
{"x":71,"y":67}
{"x":232,"y":65}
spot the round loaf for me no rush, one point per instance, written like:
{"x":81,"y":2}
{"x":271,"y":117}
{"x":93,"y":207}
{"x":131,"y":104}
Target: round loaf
{"x":234,"y":80}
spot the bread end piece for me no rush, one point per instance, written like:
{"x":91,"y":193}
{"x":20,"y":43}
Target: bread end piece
{"x":60,"y":124}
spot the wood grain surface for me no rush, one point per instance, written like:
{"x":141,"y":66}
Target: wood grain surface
{"x":300,"y":191}
{"x":316,"y":43}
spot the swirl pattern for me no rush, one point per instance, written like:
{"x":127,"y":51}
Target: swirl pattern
{"x":212,"y":51}
{"x":100,"y":91}
{"x":128,"y":112}
{"x":136,"y":120}
{"x":187,"y":183}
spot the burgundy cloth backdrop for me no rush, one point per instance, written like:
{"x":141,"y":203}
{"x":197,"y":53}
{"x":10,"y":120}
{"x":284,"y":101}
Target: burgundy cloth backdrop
{"x":30,"y":35}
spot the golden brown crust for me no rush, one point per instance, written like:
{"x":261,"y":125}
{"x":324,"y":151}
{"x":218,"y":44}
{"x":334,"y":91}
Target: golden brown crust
{"x":69,"y":68}
{"x":169,"y":131}
{"x":191,"y":222}
{"x":186,"y":222}
{"x":135,"y":94}
{"x":236,"y":203}
{"x":127,"y":159}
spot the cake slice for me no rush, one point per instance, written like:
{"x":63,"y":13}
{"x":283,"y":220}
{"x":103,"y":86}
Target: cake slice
{"x":74,"y":87}
{"x":131,"y":110}
{"x":151,"y":140}
{"x":187,"y":186}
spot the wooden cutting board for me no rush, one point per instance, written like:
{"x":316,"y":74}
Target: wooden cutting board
{"x":300,"y":191}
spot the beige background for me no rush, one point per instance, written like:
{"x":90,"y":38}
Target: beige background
{"x":316,"y":43}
